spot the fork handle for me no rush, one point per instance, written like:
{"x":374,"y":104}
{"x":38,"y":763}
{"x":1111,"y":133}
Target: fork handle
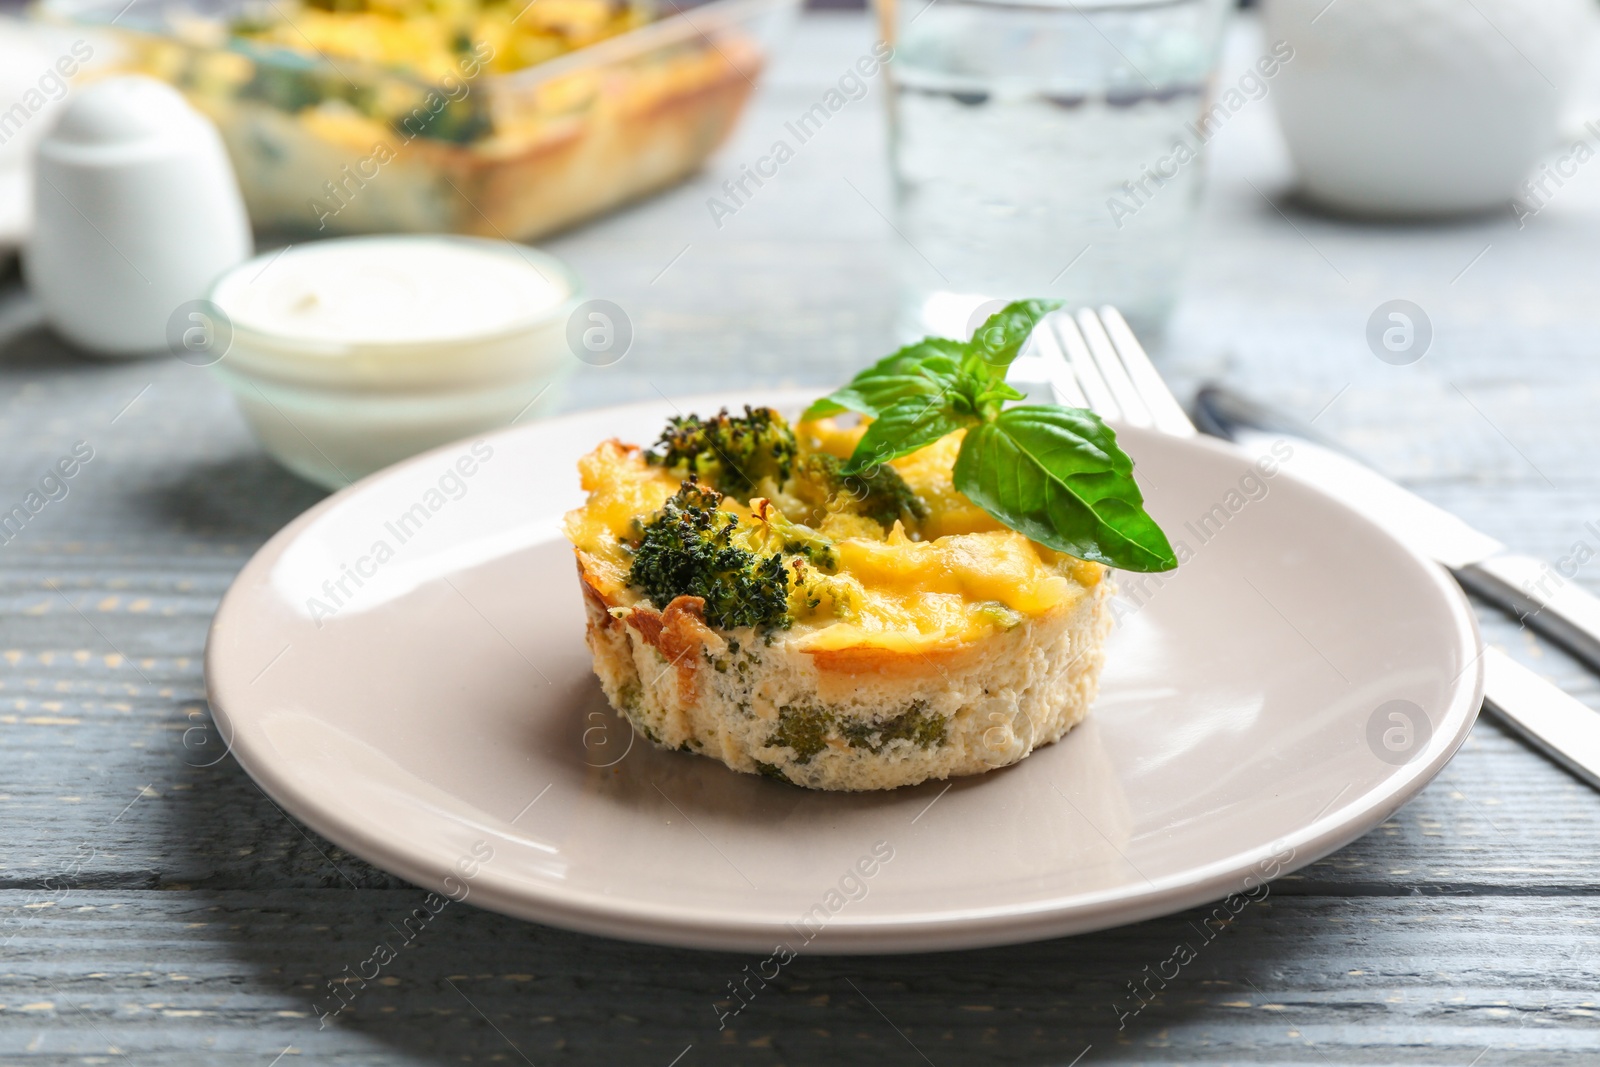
{"x":1541,"y":596}
{"x":1553,"y":722}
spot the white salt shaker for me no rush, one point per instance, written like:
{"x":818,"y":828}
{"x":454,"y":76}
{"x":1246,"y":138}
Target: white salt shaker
{"x":136,"y":212}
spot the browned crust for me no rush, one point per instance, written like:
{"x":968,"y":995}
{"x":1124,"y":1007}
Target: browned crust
{"x":629,"y":154}
{"x":591,"y":594}
{"x":860,"y":660}
{"x":596,"y":608}
{"x":678,"y":633}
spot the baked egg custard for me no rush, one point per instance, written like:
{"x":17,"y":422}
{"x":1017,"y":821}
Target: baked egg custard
{"x":749,"y":601}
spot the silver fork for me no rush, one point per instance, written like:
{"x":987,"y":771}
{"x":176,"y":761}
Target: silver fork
{"x":1092,"y":360}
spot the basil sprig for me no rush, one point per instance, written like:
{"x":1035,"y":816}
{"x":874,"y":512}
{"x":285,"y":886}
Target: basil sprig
{"x":1053,"y":474}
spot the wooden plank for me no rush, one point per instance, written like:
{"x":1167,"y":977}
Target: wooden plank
{"x":237,"y":977}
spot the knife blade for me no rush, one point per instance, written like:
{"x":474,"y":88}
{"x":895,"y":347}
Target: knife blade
{"x":1541,"y":594}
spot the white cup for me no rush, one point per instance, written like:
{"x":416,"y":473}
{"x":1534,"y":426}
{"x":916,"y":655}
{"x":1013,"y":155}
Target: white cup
{"x":136,"y":212}
{"x":1422,"y":107}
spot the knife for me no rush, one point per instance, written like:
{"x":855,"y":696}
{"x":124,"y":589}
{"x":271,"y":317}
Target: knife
{"x":1561,"y":727}
{"x":1541,"y":594}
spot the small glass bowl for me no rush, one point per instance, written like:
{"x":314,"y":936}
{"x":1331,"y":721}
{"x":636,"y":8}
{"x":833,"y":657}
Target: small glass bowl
{"x":335,"y":411}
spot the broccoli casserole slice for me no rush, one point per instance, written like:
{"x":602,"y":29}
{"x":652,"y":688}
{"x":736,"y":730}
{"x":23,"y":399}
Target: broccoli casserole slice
{"x":748,"y":602}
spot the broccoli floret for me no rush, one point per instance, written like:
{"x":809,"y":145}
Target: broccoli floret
{"x":687,"y":549}
{"x":879,"y":494}
{"x":734,"y":453}
{"x":916,"y":724}
{"x":795,"y":538}
{"x":802,"y":730}
{"x":806,"y":730}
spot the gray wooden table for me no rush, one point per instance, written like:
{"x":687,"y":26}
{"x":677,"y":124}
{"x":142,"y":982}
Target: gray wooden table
{"x":162,"y":911}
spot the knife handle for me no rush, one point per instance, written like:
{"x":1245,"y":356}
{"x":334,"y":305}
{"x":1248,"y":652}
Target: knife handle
{"x":1541,"y":596}
{"x":1553,"y":722}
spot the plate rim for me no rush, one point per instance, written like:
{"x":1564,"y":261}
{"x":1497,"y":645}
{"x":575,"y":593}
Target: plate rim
{"x":945,"y":930}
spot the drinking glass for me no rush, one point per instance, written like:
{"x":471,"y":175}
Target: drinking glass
{"x":1046,"y":148}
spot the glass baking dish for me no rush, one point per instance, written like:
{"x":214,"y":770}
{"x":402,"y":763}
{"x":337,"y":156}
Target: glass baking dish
{"x":340,"y":145}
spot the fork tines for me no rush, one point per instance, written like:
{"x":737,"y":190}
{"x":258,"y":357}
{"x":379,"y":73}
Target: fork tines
{"x":1094,"y":361}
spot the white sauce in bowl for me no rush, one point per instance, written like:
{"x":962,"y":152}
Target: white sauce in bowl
{"x":349,"y":354}
{"x":390,"y":290}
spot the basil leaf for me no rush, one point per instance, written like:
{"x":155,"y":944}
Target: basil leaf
{"x":996,"y":343}
{"x":892,"y":378}
{"x":999,"y":391}
{"x":822,"y":408}
{"x":1056,"y":476}
{"x":913,"y":423}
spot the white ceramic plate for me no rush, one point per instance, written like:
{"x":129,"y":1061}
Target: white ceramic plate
{"x":440,"y":720}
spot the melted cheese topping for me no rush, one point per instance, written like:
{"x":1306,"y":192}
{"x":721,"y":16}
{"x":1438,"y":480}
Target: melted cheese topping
{"x":929,"y":471}
{"x":960,"y":577}
{"x":621,"y":488}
